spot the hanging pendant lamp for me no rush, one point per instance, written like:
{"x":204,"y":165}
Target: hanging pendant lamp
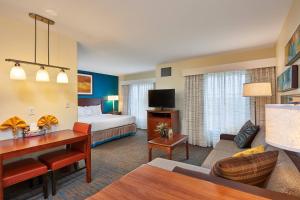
{"x":18,"y":73}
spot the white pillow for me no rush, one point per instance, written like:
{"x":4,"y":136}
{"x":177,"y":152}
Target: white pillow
{"x":95,"y":110}
{"x":81,"y":111}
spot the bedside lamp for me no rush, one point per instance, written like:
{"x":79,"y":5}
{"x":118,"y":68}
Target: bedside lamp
{"x":263,"y":89}
{"x":283,"y":127}
{"x":113,"y":98}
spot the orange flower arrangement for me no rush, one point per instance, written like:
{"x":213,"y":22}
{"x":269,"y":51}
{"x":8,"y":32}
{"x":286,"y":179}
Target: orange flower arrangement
{"x":14,"y":123}
{"x":47,"y":121}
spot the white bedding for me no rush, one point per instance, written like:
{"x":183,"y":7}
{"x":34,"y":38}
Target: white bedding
{"x":106,"y":121}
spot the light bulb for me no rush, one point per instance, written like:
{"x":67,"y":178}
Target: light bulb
{"x":42,"y":75}
{"x":62,"y":77}
{"x":17,"y":72}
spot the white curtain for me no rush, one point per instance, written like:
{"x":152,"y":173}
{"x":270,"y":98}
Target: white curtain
{"x":138,"y":102}
{"x":225,"y":108}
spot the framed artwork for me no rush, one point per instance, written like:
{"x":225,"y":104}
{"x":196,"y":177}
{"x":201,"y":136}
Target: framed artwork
{"x":85,"y":84}
{"x":292,"y":49}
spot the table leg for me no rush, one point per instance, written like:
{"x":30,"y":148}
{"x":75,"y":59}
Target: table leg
{"x":88,"y":160}
{"x":187,"y":149}
{"x":170,"y":153}
{"x":149,"y":153}
{"x":1,"y":180}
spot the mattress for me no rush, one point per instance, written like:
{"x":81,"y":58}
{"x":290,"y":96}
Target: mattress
{"x":107,"y":121}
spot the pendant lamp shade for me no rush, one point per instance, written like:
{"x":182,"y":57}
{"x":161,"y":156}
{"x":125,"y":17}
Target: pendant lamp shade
{"x":62,"y":77}
{"x":42,"y":75}
{"x":17,"y":73}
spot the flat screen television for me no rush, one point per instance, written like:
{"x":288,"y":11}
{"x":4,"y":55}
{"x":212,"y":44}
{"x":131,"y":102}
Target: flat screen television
{"x":161,"y":98}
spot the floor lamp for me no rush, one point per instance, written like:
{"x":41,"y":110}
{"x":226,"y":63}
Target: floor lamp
{"x":255,"y":90}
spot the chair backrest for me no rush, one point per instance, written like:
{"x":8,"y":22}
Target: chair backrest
{"x":82,"y":127}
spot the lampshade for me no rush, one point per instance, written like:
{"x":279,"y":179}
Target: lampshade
{"x":257,"y":89}
{"x":283,"y":127}
{"x":42,"y":75}
{"x":62,"y":77}
{"x":113,"y":98}
{"x":17,"y":73}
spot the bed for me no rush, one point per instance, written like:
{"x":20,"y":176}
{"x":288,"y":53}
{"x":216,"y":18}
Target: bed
{"x":105,"y":127}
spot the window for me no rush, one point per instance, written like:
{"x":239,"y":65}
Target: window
{"x":225,"y":108}
{"x":138,"y":102}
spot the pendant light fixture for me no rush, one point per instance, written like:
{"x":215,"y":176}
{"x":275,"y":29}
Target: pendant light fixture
{"x":62,"y":77}
{"x":42,"y":75}
{"x":18,"y":73}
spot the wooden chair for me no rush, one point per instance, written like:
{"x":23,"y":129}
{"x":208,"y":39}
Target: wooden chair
{"x":23,"y":170}
{"x":65,"y":157}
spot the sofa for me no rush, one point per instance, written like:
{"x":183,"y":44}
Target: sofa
{"x":285,"y":177}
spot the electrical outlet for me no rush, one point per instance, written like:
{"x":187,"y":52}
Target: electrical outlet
{"x":31,"y":111}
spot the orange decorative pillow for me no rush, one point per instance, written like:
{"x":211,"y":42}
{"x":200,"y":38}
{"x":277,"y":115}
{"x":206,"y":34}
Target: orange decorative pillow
{"x":253,"y":169}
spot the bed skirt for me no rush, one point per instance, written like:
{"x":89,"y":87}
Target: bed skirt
{"x":100,"y":137}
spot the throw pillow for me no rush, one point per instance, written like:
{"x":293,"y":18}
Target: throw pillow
{"x":254,"y":150}
{"x":245,"y":136}
{"x":253,"y":170}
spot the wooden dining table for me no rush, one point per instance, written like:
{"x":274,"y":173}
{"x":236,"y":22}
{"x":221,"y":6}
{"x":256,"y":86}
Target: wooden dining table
{"x":15,"y":148}
{"x":149,"y":183}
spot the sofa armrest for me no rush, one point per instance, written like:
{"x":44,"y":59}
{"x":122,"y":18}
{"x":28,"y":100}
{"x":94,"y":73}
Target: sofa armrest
{"x":224,"y":136}
{"x":235,"y":185}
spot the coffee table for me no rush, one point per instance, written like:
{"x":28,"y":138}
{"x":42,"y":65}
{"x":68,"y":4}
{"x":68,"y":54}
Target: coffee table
{"x":168,"y":144}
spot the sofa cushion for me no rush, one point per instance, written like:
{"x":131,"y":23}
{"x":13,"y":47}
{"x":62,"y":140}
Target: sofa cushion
{"x":171,"y":164}
{"x":213,"y":157}
{"x":252,"y":170}
{"x":228,"y":146}
{"x":285,"y":177}
{"x":245,"y":136}
{"x":259,"y":139}
{"x":254,"y":150}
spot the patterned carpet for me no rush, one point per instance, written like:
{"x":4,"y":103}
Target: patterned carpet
{"x":110,"y":161}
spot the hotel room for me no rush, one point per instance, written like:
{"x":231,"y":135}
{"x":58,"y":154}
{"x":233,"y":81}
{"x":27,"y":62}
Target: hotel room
{"x":136,"y":99}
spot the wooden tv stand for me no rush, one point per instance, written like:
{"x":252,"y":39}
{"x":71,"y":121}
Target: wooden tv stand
{"x":154,"y":117}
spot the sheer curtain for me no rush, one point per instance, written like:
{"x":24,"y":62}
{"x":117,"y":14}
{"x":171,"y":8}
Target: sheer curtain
{"x":225,"y":108}
{"x":138,"y":102}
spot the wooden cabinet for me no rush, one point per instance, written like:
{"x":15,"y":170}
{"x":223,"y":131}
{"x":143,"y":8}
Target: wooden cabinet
{"x":154,"y":117}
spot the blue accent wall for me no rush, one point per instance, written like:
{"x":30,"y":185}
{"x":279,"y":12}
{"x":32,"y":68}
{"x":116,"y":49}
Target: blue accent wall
{"x":103,"y":86}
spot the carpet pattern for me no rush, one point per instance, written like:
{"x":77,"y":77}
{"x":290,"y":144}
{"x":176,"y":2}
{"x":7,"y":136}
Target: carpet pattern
{"x":110,"y":161}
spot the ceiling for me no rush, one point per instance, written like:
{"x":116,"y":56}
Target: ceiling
{"x":129,"y":36}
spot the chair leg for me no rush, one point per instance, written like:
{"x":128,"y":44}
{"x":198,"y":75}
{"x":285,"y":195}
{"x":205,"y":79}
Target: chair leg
{"x":53,"y":181}
{"x":45,"y":185}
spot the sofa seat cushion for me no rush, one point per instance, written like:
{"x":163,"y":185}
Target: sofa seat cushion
{"x":213,"y":157}
{"x":228,"y":146}
{"x":22,"y":170}
{"x":285,"y":177}
{"x":171,"y":164}
{"x":61,"y":158}
{"x":252,"y":170}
